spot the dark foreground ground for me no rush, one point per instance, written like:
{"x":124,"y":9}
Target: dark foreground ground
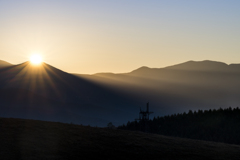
{"x":31,"y":139}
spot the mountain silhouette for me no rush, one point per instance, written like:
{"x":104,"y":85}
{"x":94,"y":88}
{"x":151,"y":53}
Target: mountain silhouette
{"x":179,"y":88}
{"x":46,"y":93}
{"x":4,"y":64}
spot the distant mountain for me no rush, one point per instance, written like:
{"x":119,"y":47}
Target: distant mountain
{"x":175,"y":89}
{"x":4,"y":64}
{"x":197,"y":66}
{"x":200,"y":66}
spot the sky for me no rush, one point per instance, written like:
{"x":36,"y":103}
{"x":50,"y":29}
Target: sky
{"x":92,"y":36}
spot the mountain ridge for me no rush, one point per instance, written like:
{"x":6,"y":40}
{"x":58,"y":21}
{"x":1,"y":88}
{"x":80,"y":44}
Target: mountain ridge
{"x":174,"y":89}
{"x":116,"y":98}
{"x":70,"y":96}
{"x":205,"y":65}
{"x":4,"y":64}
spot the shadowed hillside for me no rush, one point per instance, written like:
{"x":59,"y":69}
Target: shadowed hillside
{"x":29,"y":139}
{"x":179,"y":88}
{"x":47,"y":93}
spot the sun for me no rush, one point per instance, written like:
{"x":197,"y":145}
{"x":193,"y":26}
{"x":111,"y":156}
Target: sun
{"x":36,"y":59}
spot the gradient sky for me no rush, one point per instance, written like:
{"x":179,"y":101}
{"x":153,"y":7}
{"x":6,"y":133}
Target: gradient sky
{"x":118,"y":36}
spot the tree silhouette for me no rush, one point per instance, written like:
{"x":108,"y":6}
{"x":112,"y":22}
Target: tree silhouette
{"x":220,"y":125}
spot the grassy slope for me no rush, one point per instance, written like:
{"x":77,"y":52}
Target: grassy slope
{"x":31,"y":139}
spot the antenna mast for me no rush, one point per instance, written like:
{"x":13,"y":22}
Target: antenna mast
{"x":144,"y":115}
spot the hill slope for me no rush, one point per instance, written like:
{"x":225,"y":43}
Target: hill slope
{"x":29,"y":139}
{"x":175,"y":89}
{"x":4,"y":64}
{"x":47,"y":93}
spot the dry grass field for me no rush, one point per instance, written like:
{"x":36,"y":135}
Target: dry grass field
{"x":31,"y":139}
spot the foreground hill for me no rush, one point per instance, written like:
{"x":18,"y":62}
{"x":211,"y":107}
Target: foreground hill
{"x":31,"y":139}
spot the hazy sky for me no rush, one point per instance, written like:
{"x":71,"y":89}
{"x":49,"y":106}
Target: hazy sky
{"x":93,"y":36}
